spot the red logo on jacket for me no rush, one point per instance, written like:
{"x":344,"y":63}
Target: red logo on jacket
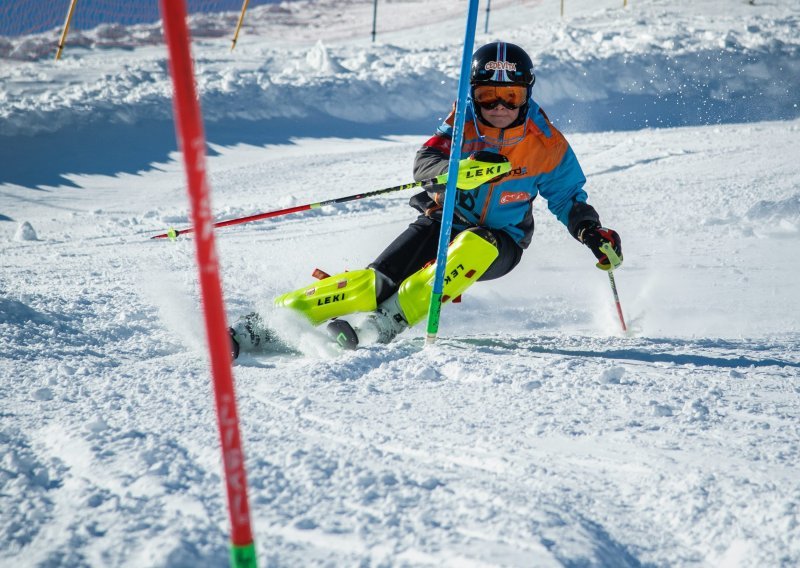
{"x":513,"y":197}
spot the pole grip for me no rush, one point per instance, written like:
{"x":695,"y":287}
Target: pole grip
{"x":611,"y":254}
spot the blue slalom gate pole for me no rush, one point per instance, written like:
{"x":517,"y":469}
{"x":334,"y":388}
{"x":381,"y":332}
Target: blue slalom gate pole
{"x":450,"y":191}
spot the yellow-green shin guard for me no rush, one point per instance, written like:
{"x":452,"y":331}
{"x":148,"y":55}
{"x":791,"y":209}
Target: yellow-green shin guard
{"x":334,"y":296}
{"x":468,"y":257}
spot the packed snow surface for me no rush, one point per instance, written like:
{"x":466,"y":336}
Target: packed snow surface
{"x":534,"y":432}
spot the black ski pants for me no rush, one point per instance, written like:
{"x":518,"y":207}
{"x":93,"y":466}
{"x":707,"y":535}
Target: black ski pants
{"x":418,"y":245}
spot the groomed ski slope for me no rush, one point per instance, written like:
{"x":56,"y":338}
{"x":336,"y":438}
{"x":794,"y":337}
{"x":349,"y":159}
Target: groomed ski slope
{"x":533,"y":434}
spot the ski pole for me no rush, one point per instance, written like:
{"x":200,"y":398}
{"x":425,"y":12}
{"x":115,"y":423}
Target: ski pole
{"x":172,"y":234}
{"x":469,"y":177}
{"x":615,"y":261}
{"x":616,"y":299}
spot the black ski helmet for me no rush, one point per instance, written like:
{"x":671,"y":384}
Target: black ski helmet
{"x":501,"y":63}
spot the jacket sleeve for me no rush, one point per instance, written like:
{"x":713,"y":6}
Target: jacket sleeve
{"x":566,"y":198}
{"x":434,"y":157}
{"x":430,"y":162}
{"x":582,"y":214}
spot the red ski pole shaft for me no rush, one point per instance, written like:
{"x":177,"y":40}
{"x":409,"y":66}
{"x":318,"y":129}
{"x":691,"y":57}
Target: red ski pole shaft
{"x":173,"y":233}
{"x":614,"y":261}
{"x":616,"y":299}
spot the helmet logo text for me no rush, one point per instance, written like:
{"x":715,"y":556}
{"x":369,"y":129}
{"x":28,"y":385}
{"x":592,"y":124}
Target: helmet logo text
{"x":500,"y":66}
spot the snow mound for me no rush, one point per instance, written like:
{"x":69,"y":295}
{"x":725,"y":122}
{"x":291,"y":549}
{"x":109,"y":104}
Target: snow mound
{"x":782,"y":216}
{"x":25,"y":232}
{"x":785,"y":209}
{"x":323,"y":63}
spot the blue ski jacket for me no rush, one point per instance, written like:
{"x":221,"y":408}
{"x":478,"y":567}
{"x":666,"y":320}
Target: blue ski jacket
{"x":542,"y":162}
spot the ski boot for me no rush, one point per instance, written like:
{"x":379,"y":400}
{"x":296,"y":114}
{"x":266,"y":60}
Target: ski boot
{"x":343,"y":333}
{"x":380,"y":326}
{"x":249,"y":334}
{"x":384,"y":324}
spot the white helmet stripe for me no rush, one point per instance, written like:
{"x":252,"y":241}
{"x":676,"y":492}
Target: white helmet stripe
{"x":502,"y":58}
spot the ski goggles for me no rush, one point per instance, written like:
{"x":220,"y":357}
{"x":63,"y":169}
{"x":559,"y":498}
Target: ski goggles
{"x":490,"y":96}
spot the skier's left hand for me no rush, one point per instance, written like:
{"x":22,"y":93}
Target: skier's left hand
{"x":477,"y":169}
{"x":480,"y":168}
{"x":595,"y":237}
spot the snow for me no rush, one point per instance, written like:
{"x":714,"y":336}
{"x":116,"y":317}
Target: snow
{"x":25,"y":232}
{"x":534,"y":433}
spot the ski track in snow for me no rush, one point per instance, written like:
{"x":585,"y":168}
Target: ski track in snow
{"x":542,"y":439}
{"x":533,"y":433}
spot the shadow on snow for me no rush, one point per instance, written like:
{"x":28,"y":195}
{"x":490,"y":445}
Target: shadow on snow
{"x":651,"y":351}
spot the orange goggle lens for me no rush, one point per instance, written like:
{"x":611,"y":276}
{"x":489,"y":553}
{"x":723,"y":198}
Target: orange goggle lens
{"x":511,"y":97}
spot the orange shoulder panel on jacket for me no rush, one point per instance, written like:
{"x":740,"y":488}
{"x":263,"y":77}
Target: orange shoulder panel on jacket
{"x":536,"y":153}
{"x":533,"y":155}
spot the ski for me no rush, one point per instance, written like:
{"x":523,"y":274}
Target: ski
{"x":252,"y":335}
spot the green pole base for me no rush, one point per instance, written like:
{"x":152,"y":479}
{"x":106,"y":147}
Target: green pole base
{"x":243,"y":556}
{"x":434,"y":313}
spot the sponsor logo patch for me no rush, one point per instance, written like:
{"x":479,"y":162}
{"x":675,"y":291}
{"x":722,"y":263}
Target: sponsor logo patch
{"x":330,"y":299}
{"x":453,"y":274}
{"x":513,"y":197}
{"x":500,"y":66}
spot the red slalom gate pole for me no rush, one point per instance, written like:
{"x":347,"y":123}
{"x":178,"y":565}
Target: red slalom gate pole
{"x":191,"y":140}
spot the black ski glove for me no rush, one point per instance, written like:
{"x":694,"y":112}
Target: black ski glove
{"x":594,"y":236}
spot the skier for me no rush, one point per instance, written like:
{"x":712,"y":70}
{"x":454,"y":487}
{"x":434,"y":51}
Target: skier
{"x":493,"y":223}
